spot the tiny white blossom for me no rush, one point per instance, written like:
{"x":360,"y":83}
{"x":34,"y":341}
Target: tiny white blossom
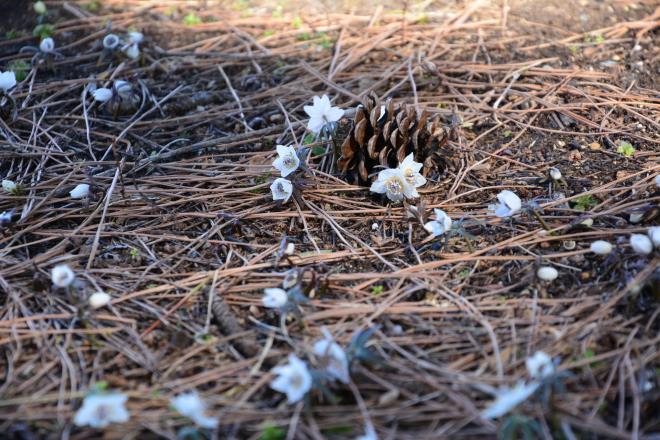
{"x":547,"y":273}
{"x":332,"y":358}
{"x":5,"y":217}
{"x":540,"y":365}
{"x":393,"y":183}
{"x":440,"y":225}
{"x":123,"y":88}
{"x":132,"y":51}
{"x":62,"y":275}
{"x":374,"y":226}
{"x":47,"y":45}
{"x":111,"y":41}
{"x":102,"y":94}
{"x":322,"y":113}
{"x":410,"y":170}
{"x":135,"y":37}
{"x":99,"y":299}
{"x":293,"y":379}
{"x":192,"y":406}
{"x":287,"y":161}
{"x":555,"y":174}
{"x":274,"y":298}
{"x":507,"y":399}
{"x":601,"y":247}
{"x":636,"y":217}
{"x":657,"y":180}
{"x":654,"y":235}
{"x":7,"y":80}
{"x":509,"y":204}
{"x":281,"y":189}
{"x":369,"y":433}
{"x":290,"y":249}
{"x":99,"y":410}
{"x":9,"y":186}
{"x":80,"y":191}
{"x":641,"y":244}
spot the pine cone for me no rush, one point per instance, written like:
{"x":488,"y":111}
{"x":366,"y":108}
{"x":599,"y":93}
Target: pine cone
{"x":385,"y":136}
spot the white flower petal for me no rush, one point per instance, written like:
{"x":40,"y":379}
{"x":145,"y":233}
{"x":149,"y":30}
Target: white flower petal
{"x":641,"y":244}
{"x":508,"y":399}
{"x":540,"y":365}
{"x":274,"y":298}
{"x":62,"y":275}
{"x":601,"y":247}
{"x":135,"y":37}
{"x":80,"y":191}
{"x":102,"y":94}
{"x":293,"y":379}
{"x":47,"y":45}
{"x":7,"y":81}
{"x":192,"y":406}
{"x":547,"y":273}
{"x":99,"y":299}
{"x":132,"y":51}
{"x":111,"y":41}
{"x":100,"y":410}
{"x":654,"y":235}
{"x":281,"y":189}
{"x":9,"y":186}
{"x":332,"y":358}
{"x":510,"y":200}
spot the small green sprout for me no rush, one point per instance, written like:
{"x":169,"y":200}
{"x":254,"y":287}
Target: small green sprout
{"x":297,"y":22}
{"x":20,"y":68}
{"x":268,"y":33}
{"x":574,"y":49}
{"x":134,"y":253}
{"x":191,"y":19}
{"x":377,"y":290}
{"x":626,"y":149}
{"x":507,"y":133}
{"x":272,"y":432}
{"x":43,"y":30}
{"x":584,"y":203}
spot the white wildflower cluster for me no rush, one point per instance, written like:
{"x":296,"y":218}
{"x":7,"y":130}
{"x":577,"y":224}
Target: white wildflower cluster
{"x":401,"y":182}
{"x":539,"y":367}
{"x":99,"y":410}
{"x":287,"y":162}
{"x":295,"y":378}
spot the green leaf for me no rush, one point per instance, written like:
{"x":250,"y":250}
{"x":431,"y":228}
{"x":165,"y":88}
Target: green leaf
{"x":297,"y":22}
{"x":507,"y":133}
{"x":377,"y":290}
{"x":191,"y":19}
{"x":272,"y":432}
{"x":43,"y":30}
{"x":584,"y":203}
{"x":100,"y":386}
{"x":20,"y":68}
{"x":626,"y":149}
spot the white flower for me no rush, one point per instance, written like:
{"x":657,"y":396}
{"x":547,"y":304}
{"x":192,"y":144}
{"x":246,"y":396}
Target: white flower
{"x":39,"y":8}
{"x":322,"y":113}
{"x":80,"y":191}
{"x":507,"y":399}
{"x":47,"y":45}
{"x":287,"y":161}
{"x":657,"y":180}
{"x":9,"y":186}
{"x":99,"y":299}
{"x":123,"y":88}
{"x":601,"y":247}
{"x":332,"y":357}
{"x":636,"y":217}
{"x":410,"y":170}
{"x":654,"y":235}
{"x":555,"y":174}
{"x":393,"y":183}
{"x":98,"y":410}
{"x":440,"y":225}
{"x":281,"y":189}
{"x":540,"y":365}
{"x":62,"y":275}
{"x":5,"y":217}
{"x":7,"y":80}
{"x":102,"y":94}
{"x":369,"y":433}
{"x":293,"y":379}
{"x":547,"y":273}
{"x":191,"y":406}
{"x":135,"y":37}
{"x":509,"y":204}
{"x":132,"y":51}
{"x":111,"y":41}
{"x":641,"y":244}
{"x":274,"y":298}
{"x":290,"y":249}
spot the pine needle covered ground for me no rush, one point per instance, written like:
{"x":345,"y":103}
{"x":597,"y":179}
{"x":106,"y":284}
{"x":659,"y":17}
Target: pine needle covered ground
{"x":181,"y":230}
